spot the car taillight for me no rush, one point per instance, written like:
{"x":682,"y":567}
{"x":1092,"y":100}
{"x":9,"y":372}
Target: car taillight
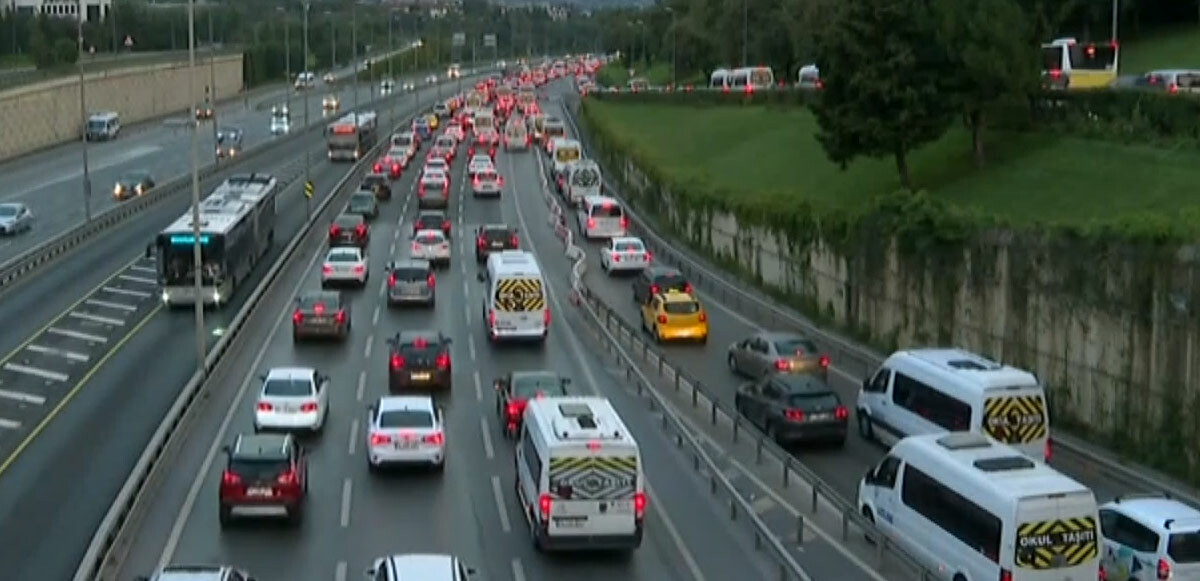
{"x":545,"y":503}
{"x":655,"y":289}
{"x":395,"y":168}
{"x":476,"y":181}
{"x":334,"y":231}
{"x":1173,"y":88}
{"x":841,"y":413}
{"x":591,"y":223}
{"x":481,"y":242}
{"x":442,"y":361}
{"x":624,"y":222}
{"x":823,"y":362}
{"x":431,"y":281}
{"x":515,"y":241}
{"x":687,"y":288}
{"x":546,"y":317}
{"x":1102,"y":574}
{"x":391,"y":280}
{"x":649,"y":257}
{"x":297,"y":317}
{"x":794,"y":415}
{"x":491,"y":318}
{"x":416,"y":247}
{"x":421,"y":190}
{"x":361,"y":230}
{"x":378,"y":168}
{"x":436,"y":438}
{"x":1048,"y":450}
{"x":1055,"y":73}
{"x":446,"y":226}
{"x":703,"y":317}
{"x":339,"y":317}
{"x":616,"y":258}
{"x":358,"y":269}
{"x":397,"y":362}
{"x":326,"y":269}
{"x":265,"y":407}
{"x":639,"y":504}
{"x":230,"y":479}
{"x":782,"y":364}
{"x":1005,"y":575}
{"x":512,"y":410}
{"x":662,"y":319}
{"x":308,"y":408}
{"x":380,"y":439}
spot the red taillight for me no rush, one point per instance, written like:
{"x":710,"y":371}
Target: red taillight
{"x":431,"y":281}
{"x":1048,"y":450}
{"x":380,"y":439}
{"x":515,"y":241}
{"x":359,"y":269}
{"x":782,"y":364}
{"x":639,"y":504}
{"x":654,"y":289}
{"x":1173,"y":88}
{"x":361,"y":230}
{"x":649,"y":256}
{"x":421,"y":190}
{"x":687,"y":288}
{"x":481,"y":242}
{"x":616,"y":258}
{"x":662,"y":319}
{"x":1102,"y":574}
{"x":823,"y":362}
{"x":308,"y":408}
{"x":491,"y":318}
{"x":265,"y":407}
{"x":513,"y":411}
{"x":820,"y":84}
{"x":794,"y":415}
{"x":416,"y":247}
{"x":442,"y":361}
{"x":546,"y":317}
{"x":297,"y":317}
{"x":591,"y":223}
{"x":1005,"y":575}
{"x":334,"y":231}
{"x":395,"y":168}
{"x":339,"y":317}
{"x":391,"y":280}
{"x":703,"y":316}
{"x":230,"y":479}
{"x":397,"y":362}
{"x":446,"y":226}
{"x":436,"y":438}
{"x":544,"y":504}
{"x":1054,"y":74}
{"x":624,"y":222}
{"x":841,"y":413}
{"x":476,"y":181}
{"x":378,"y":168}
{"x":326,"y":269}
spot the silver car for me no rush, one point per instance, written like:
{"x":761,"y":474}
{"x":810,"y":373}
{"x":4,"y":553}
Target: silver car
{"x":15,"y":217}
{"x":411,"y":282}
{"x":777,"y":352}
{"x":197,"y":573}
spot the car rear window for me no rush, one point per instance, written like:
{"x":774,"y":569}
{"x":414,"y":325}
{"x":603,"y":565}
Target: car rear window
{"x":670,"y":281}
{"x":287,"y":387}
{"x":681,"y":307}
{"x":362,"y":198}
{"x":348,"y":221}
{"x":797,"y":346}
{"x":810,"y":401}
{"x":489,"y":176}
{"x":421,"y":349}
{"x":1184,"y":547}
{"x":311,"y":301}
{"x":534,"y":385}
{"x":628,"y":246}
{"x":607,"y":210}
{"x":343,"y":257}
{"x":258,"y":468}
{"x":497,"y":234}
{"x":374,"y":180}
{"x":410,"y":273}
{"x":405,"y":419}
{"x":431,"y":238}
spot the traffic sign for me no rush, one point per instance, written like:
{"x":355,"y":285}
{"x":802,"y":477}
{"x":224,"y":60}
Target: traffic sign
{"x":489,"y":40}
{"x":459,"y":39}
{"x":309,"y":188}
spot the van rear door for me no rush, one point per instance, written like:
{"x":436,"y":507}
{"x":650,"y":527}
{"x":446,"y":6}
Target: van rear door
{"x":592,"y":491}
{"x":1057,"y":537}
{"x":1017,"y":416}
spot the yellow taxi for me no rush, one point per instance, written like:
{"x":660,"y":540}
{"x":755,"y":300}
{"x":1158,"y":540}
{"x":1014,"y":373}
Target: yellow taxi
{"x":675,"y":316}
{"x":433,"y":121}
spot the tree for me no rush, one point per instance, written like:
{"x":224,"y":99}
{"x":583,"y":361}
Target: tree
{"x":991,"y":58}
{"x":883,"y":74}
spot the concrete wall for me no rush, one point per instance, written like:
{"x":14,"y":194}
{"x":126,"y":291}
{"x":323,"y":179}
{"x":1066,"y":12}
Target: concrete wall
{"x":45,"y":114}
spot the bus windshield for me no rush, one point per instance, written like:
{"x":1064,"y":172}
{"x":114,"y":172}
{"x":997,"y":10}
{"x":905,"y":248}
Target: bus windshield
{"x":175,"y":259}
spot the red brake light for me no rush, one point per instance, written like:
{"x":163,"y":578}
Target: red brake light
{"x":481,"y":242}
{"x":794,"y":415}
{"x":340,"y":316}
{"x":446,"y":226}
{"x":639,"y":504}
{"x":841,"y":413}
{"x":591,"y":223}
{"x":616,"y":258}
{"x":297,"y":317}
{"x":515,"y":241}
{"x":361,"y":230}
{"x":662,"y":319}
{"x":491,"y":318}
{"x":391,"y":280}
{"x":687,"y":287}
{"x":431,"y":281}
{"x":436,"y":438}
{"x":1173,"y":88}
{"x":442,"y":361}
{"x":1005,"y":575}
{"x":358,"y":268}
{"x":380,"y":439}
{"x":397,"y":361}
{"x":782,"y":364}
{"x":1090,"y":50}
{"x":654,"y":289}
{"x":420,"y":343}
{"x":1102,"y":574}
{"x":378,"y":168}
{"x":824,"y":361}
{"x":544,"y":504}
{"x":326,"y":269}
{"x":334,"y":230}
{"x":319,"y":308}
{"x":703,"y":317}
{"x":395,"y":168}
{"x":230,"y":479}
{"x":264,"y":406}
{"x":1055,"y":73}
{"x":512,"y":410}
{"x":308,"y":408}
{"x":546,"y":317}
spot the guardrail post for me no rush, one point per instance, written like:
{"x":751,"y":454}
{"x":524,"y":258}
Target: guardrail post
{"x":845,"y":526}
{"x":736,"y":428}
{"x":783,"y":572}
{"x":713,"y":412}
{"x":880,"y":541}
{"x":758,"y":452}
{"x":815,"y":496}
{"x":732,"y":508}
{"x":712,"y":480}
{"x":695,"y":392}
{"x":787,"y":468}
{"x":799,"y":529}
{"x":758,"y":542}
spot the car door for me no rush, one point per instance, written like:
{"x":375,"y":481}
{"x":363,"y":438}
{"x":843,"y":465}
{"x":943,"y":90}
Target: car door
{"x":756,"y":357}
{"x":883,"y":491}
{"x":873,"y":396}
{"x":641,"y":286}
{"x":768,"y":401}
{"x":1130,"y":549}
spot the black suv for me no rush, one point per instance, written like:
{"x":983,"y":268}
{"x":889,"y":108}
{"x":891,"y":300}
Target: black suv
{"x":491,"y":238}
{"x":418,"y":359}
{"x":656,"y":280}
{"x":379,"y":184}
{"x":794,"y":408}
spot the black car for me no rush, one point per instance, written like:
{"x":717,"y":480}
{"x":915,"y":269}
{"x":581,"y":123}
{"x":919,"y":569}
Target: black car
{"x":656,"y":280}
{"x":321,"y":314}
{"x":363,"y":203}
{"x":431,"y":220}
{"x":265,"y":474}
{"x":349,"y":230}
{"x":379,"y":184}
{"x":514,"y":390}
{"x":794,"y":408}
{"x":418,"y":359}
{"x":411,"y":282}
{"x":491,"y":238}
{"x":133,"y":184}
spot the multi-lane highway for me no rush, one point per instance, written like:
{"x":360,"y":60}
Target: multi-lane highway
{"x":469,"y":510}
{"x":120,"y":369}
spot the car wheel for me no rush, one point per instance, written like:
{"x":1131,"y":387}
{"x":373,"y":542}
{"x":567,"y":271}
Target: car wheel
{"x":440,"y":467}
{"x":865,"y":430}
{"x":870,"y":517}
{"x":731,"y":361}
{"x":225,"y":516}
{"x":295,"y":516}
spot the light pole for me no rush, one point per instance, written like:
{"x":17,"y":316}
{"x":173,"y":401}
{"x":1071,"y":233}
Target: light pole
{"x":332,"y":40}
{"x":287,"y":64}
{"x":392,"y":15}
{"x":197,"y":259}
{"x":307,"y":150}
{"x":1115,"y":10}
{"x":87,"y":176}
{"x":745,"y":32}
{"x":211,"y":93}
{"x":674,"y":44}
{"x":354,"y":53}
{"x":112,"y":16}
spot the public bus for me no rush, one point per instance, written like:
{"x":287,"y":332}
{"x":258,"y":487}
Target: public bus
{"x":237,"y":228}
{"x":1071,"y":65}
{"x":748,"y":79}
{"x":351,"y":136}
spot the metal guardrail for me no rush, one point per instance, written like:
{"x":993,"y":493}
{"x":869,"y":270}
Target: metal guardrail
{"x":100,"y":561}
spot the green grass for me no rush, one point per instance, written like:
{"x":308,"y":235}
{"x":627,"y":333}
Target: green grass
{"x":15,"y":61}
{"x":772,"y":154}
{"x":616,"y":75}
{"x":1177,"y":48}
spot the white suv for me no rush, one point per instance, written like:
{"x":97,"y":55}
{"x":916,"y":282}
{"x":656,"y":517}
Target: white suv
{"x":1149,"y":537}
{"x":417,"y":566}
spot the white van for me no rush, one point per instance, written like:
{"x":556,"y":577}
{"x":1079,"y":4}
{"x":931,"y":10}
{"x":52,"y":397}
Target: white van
{"x":305,"y":80}
{"x":969,"y":508}
{"x":514,"y":304}
{"x":602,"y":217}
{"x":103,"y":126}
{"x":719,"y":79}
{"x":583,"y":180}
{"x":579,"y":476}
{"x":927,"y":391}
{"x":563,"y":152}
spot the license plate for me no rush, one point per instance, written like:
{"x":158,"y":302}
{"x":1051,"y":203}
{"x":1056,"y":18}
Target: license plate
{"x":420,"y":376}
{"x":497,"y":245}
{"x":570,"y":522}
{"x":406,"y":444}
{"x":288,"y":409}
{"x":264,"y":492}
{"x":821,"y":417}
{"x":321,"y":320}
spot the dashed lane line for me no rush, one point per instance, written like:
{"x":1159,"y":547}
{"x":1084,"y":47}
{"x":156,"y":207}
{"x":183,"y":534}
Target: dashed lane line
{"x":96,"y":318}
{"x":90,"y":338}
{"x":126,"y":292}
{"x":37,"y":372}
{"x":71,"y":355}
{"x":22,"y":397}
{"x":111,"y":305}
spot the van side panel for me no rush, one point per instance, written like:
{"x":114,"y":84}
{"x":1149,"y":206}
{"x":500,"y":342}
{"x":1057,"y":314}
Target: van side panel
{"x":601,"y":490}
{"x":1056,"y":537}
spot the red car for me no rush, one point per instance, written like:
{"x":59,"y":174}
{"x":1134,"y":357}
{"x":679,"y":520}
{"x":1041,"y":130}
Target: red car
{"x":349,"y":230}
{"x":265,"y":475}
{"x":514,"y":390}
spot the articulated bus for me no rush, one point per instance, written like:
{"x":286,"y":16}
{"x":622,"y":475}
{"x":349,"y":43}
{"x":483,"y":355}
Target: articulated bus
{"x":748,"y":79}
{"x":1070,"y":65}
{"x":352,"y":136}
{"x":237,"y":228}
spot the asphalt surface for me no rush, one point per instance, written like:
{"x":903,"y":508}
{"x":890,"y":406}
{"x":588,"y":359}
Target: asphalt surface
{"x":54,"y":492}
{"x":354,"y":517}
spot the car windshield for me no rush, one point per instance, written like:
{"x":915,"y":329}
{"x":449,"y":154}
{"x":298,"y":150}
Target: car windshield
{"x":258,"y":468}
{"x":373,"y":180}
{"x":8,"y":211}
{"x":342,"y":257}
{"x":628,"y":246}
{"x":796,"y":345}
{"x":812,"y":401}
{"x":481,"y":160}
{"x":362,"y":198}
{"x":534,"y":385}
{"x":671,"y":281}
{"x":405,"y":419}
{"x":431,"y":218}
{"x":291,"y":387}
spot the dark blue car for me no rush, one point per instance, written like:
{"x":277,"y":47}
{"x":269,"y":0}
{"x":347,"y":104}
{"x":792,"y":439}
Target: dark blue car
{"x":421,"y":127}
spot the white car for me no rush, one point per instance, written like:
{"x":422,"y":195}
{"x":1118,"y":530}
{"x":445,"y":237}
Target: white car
{"x":292,"y":398}
{"x":386,"y":86}
{"x":431,"y":245}
{"x":1149,"y":537}
{"x":456,"y":131}
{"x":437,"y":164}
{"x":481,"y":162}
{"x":405,"y":430}
{"x":400,"y":155}
{"x":431,"y":79}
{"x":426,"y":567}
{"x":280,"y":125}
{"x":344,"y":264}
{"x":409,"y":85}
{"x":487,"y":183}
{"x":624,"y":254}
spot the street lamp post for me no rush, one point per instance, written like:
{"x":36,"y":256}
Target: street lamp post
{"x":674,"y":44}
{"x":391,"y":48}
{"x":332,"y":40}
{"x":211,"y":93}
{"x":307,"y":150}
{"x":112,"y":17}
{"x":354,"y":53}
{"x":87,"y":176}
{"x":197,"y":260}
{"x":287,"y":64}
{"x":745,"y":32}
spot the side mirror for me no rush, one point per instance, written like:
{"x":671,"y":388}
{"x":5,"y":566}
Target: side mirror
{"x":227,"y":449}
{"x":481,"y":277}
{"x":370,"y":572}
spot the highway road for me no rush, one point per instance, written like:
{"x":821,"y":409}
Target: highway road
{"x":469,"y":510}
{"x":55,"y":487}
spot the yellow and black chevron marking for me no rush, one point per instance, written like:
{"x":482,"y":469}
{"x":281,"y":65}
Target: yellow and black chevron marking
{"x":595,"y":477}
{"x":520,"y":294}
{"x":1015,"y":419}
{"x":1057,"y":543}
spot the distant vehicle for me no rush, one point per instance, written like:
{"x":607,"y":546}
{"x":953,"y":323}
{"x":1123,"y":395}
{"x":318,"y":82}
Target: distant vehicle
{"x":491,"y":238}
{"x":133,"y":184}
{"x":624,"y":254}
{"x":197,"y":573}
{"x":352,"y":136}
{"x":103,"y":126}
{"x":431,"y":245}
{"x":329,"y":79}
{"x":379,"y":184}
{"x":344,"y":264}
{"x":487,"y":183}
{"x":292,"y":398}
{"x":419,"y":359}
{"x":1069,"y":64}
{"x":794,"y":408}
{"x":409,"y":430}
{"x":205,"y":111}
{"x":305,"y":80}
{"x":331,"y":103}
{"x":411,"y":281}
{"x":322,"y":314}
{"x":363,"y":202}
{"x":746,"y":79}
{"x":349,"y":230}
{"x":264,"y":475}
{"x":387,"y":86}
{"x":281,"y":122}
{"x":15,"y":217}
{"x":431,"y":220}
{"x":769,"y":352}
{"x":809,"y":78}
{"x":454,"y":72}
{"x":433,"y":191}
{"x":229,"y":142}
{"x":515,"y":389}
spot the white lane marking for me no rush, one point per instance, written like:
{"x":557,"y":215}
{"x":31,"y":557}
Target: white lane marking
{"x":498,"y":494}
{"x":144,"y":269}
{"x":466,"y":288}
{"x":375,"y":316}
{"x":487,"y":438}
{"x":471,"y":346}
{"x":518,"y":570}
{"x":124,"y":291}
{"x":22,"y":397}
{"x":353,"y":436}
{"x":347,"y":490}
{"x":73,"y":356}
{"x":468,"y":313}
{"x":392,"y":249}
{"x":339,"y":572}
{"x":362,"y":385}
{"x":141,"y":279}
{"x":189,"y":503}
{"x":478,"y":387}
{"x":9,"y":424}
{"x":383,"y":288}
{"x":111,"y":305}
{"x":78,"y":335}
{"x":367,"y":348}
{"x":97,"y":319}
{"x":36,"y":372}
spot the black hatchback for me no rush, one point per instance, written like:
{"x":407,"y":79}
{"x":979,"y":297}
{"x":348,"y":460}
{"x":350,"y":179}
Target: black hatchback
{"x":491,"y":238}
{"x":418,"y":359}
{"x":794,"y":408}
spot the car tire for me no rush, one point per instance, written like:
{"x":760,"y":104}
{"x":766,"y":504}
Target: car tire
{"x":440,"y":467}
{"x":865,"y":430}
{"x":295,"y":516}
{"x":225,"y":516}
{"x":731,"y":361}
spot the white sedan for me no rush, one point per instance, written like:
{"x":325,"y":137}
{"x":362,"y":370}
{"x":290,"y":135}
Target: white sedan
{"x":624,"y":254}
{"x":406,"y":430}
{"x":479,"y":163}
{"x":438,"y":164}
{"x":292,"y":398}
{"x":431,"y":245}
{"x":344,"y":264}
{"x":487,"y":183}
{"x":456,"y":131}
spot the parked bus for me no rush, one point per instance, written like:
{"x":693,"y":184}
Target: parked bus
{"x":351,"y":136}
{"x":1070,"y":65}
{"x":237,"y":228}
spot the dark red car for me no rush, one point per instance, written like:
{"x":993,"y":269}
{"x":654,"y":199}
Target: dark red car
{"x":389,"y":166}
{"x":265,"y":475}
{"x":349,"y":230}
{"x":514,"y":390}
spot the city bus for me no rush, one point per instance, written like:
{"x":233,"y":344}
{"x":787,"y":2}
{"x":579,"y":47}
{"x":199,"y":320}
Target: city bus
{"x":237,"y":228}
{"x":748,"y":79}
{"x":351,"y":136}
{"x":1071,"y":65}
